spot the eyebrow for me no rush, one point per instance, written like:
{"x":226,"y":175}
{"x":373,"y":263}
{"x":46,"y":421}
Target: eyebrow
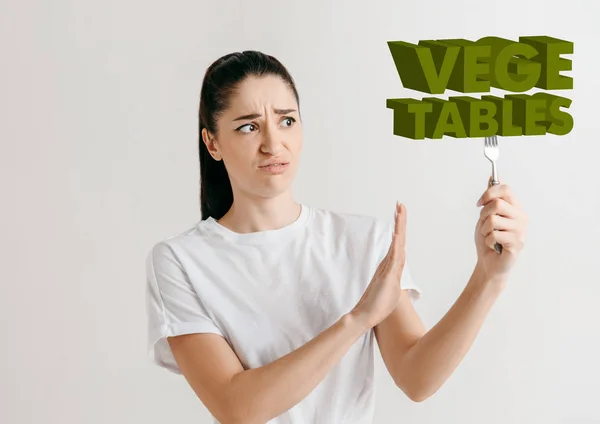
{"x":257,"y":115}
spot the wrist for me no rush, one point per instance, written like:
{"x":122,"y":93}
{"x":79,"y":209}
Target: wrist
{"x":481,"y":278}
{"x":358,"y":320}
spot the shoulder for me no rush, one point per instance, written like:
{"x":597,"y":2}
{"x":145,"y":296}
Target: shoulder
{"x":173,"y":246}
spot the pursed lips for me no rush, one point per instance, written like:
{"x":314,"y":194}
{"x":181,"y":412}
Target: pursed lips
{"x":275,"y":163}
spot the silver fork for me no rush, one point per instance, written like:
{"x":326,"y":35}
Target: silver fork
{"x":492,"y":152}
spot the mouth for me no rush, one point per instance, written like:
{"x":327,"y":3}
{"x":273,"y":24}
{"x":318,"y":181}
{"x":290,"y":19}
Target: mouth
{"x":275,"y":168}
{"x":274,"y":164}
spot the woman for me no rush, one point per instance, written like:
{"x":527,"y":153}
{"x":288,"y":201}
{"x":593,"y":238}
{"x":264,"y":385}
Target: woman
{"x":266,"y":305}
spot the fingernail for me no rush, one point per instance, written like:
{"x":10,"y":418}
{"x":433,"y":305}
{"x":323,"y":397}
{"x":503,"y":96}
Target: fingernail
{"x":479,"y":201}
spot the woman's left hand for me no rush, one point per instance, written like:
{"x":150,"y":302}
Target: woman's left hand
{"x":502,"y":220}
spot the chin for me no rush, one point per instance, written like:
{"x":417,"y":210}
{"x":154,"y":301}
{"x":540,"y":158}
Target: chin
{"x":273,"y":187}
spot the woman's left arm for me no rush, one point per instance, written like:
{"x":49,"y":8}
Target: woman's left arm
{"x":420,"y":362}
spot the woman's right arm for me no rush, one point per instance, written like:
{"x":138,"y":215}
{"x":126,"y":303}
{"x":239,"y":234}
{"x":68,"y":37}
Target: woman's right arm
{"x":234,"y":395}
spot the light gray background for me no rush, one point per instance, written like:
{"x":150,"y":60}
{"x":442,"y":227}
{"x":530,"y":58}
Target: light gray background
{"x":98,"y":131}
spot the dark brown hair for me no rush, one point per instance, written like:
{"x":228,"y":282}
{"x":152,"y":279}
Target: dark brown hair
{"x":220,"y":82}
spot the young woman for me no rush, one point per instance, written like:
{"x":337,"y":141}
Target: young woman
{"x":266,"y":305}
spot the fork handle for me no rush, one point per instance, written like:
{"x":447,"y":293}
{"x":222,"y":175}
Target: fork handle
{"x":492,"y":182}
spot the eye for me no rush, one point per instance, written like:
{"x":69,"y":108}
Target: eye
{"x":244,"y":126}
{"x":289,"y":118}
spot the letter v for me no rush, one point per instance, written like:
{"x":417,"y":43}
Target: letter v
{"x":424,"y":67}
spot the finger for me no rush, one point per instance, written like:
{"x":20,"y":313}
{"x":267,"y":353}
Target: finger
{"x":508,"y":239}
{"x":399,"y":234}
{"x":497,"y":222}
{"x":390,"y":250}
{"x":501,"y":191}
{"x":500,"y":207}
{"x":400,"y":225}
{"x":507,"y":193}
{"x":399,"y":241}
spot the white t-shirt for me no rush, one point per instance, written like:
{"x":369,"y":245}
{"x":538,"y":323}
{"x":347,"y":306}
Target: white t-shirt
{"x":270,"y":292}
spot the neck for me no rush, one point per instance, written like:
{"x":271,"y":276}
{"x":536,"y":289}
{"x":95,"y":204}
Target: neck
{"x":252,"y":214}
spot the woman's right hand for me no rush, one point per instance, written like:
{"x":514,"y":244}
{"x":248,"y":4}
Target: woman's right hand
{"x":381,"y":296}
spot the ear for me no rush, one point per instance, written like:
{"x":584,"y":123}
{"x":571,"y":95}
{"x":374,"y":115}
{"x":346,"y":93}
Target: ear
{"x":211,"y":144}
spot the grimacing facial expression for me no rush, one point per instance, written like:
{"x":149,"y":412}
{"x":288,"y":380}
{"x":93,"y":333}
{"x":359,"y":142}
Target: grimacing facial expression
{"x":261,"y":126}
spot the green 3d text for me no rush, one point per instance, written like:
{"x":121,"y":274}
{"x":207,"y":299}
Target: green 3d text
{"x":465,"y":66}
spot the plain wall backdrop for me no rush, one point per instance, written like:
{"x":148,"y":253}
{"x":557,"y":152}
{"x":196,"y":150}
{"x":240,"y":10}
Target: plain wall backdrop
{"x":98,"y":131}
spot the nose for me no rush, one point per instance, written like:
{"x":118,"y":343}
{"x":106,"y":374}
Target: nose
{"x":272,"y":142}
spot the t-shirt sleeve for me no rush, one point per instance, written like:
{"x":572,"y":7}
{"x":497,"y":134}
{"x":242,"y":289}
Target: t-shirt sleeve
{"x":407,"y":283}
{"x":172,"y":305}
{"x":406,"y":280}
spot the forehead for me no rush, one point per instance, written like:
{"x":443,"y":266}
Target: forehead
{"x":256,"y":93}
